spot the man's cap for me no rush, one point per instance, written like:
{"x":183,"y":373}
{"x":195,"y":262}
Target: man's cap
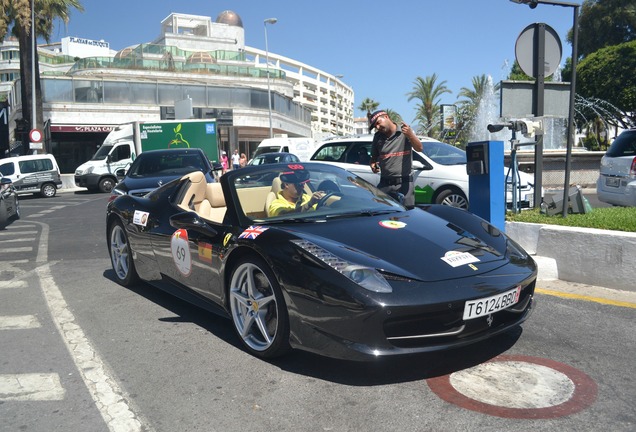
{"x":373,"y":118}
{"x":296,"y":176}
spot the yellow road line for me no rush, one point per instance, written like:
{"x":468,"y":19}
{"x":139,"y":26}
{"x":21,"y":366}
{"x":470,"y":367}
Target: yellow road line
{"x":586,"y":298}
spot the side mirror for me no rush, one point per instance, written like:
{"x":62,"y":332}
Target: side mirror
{"x":120,"y":173}
{"x":4,"y":181}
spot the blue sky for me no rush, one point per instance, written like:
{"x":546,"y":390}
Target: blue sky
{"x":379,"y":47}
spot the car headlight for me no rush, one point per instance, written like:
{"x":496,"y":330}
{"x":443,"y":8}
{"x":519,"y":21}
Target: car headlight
{"x":367,"y":277}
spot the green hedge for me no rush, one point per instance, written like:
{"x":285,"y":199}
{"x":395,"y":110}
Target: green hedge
{"x":609,"y":218}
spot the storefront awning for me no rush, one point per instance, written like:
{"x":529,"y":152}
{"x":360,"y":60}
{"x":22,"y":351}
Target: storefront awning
{"x":82,"y":128}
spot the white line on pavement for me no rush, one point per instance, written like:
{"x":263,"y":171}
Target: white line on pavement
{"x":31,"y":387}
{"x":18,"y":322}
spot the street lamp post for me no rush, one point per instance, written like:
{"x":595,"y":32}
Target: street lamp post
{"x":575,"y":36}
{"x":269,"y":91}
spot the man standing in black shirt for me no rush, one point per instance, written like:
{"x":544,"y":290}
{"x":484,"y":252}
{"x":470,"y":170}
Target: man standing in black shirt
{"x":391,"y":156}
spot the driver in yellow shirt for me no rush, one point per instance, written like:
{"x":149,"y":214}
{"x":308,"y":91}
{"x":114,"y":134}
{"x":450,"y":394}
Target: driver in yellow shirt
{"x":291,"y":198}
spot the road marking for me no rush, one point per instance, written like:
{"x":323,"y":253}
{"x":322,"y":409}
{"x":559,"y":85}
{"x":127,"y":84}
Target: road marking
{"x":31,"y":387}
{"x":16,"y":232}
{"x":103,"y":388}
{"x":17,"y":240}
{"x":13,"y":284}
{"x":18,"y":322}
{"x":586,"y":298}
{"x":519,"y":387}
{"x":16,"y":249}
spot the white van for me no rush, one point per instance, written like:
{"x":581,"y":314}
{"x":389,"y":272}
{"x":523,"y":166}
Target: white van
{"x":301,"y":147}
{"x":37,"y":174}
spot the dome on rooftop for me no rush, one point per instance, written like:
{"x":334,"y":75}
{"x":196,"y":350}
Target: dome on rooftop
{"x":230,"y":18}
{"x":126,"y":52}
{"x":200,"y":57}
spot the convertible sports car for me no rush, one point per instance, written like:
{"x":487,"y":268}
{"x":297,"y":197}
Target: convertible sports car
{"x":349,"y":273}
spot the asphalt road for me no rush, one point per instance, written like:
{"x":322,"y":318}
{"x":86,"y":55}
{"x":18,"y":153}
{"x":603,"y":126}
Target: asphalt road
{"x":80,"y":352}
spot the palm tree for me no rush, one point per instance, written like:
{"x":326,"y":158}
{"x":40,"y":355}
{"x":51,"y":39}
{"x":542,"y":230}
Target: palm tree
{"x":394,"y":116}
{"x":368,"y":105}
{"x":17,"y":15}
{"x":469,"y":105}
{"x":428,"y":93}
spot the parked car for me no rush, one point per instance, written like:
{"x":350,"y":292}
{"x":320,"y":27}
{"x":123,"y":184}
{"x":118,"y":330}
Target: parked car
{"x":33,"y":174}
{"x":617,"y":180}
{"x":267,"y":158}
{"x":357,"y":276}
{"x":153,"y":168}
{"x":439,"y":170}
{"x":9,"y":204}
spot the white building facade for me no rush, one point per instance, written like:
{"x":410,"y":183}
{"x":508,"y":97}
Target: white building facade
{"x":88,"y":88}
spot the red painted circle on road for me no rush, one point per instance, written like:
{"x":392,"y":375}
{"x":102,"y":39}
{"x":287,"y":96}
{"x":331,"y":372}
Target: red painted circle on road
{"x":583,"y":395}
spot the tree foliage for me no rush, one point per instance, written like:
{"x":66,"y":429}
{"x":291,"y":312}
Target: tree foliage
{"x":368,"y":105}
{"x":428,"y":92}
{"x":608,"y":74}
{"x":604,"y":23}
{"x":15,"y":17}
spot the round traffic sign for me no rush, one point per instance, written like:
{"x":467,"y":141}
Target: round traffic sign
{"x":526,"y":50}
{"x":35,"y":135}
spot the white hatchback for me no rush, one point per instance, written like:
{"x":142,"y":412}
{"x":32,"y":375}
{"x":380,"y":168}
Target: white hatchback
{"x":617,"y":180}
{"x":439,"y":170}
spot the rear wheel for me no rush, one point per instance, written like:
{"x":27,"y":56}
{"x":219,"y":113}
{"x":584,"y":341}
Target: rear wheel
{"x":106,"y":185}
{"x":121,"y":255}
{"x":48,"y":190}
{"x":453,"y":198}
{"x":258,"y":310}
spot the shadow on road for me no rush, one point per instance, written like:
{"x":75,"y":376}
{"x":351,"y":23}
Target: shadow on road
{"x":381,"y":372}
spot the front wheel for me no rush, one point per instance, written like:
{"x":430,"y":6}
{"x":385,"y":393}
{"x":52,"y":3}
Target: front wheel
{"x":121,"y":255}
{"x":106,"y":185}
{"x":258,"y":309}
{"x":452,"y":198}
{"x":48,"y":190}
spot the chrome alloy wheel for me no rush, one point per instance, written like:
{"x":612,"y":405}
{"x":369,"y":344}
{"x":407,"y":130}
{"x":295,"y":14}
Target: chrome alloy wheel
{"x":257,"y":309}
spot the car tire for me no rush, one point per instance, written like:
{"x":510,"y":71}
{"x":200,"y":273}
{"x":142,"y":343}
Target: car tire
{"x":121,"y":255}
{"x":452,"y":198}
{"x":258,"y":310}
{"x":48,"y":190}
{"x":106,"y":185}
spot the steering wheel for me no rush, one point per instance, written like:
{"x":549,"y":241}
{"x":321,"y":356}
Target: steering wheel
{"x":323,"y":200}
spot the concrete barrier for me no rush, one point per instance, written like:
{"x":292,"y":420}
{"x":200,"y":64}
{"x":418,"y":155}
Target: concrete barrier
{"x":584,"y":255}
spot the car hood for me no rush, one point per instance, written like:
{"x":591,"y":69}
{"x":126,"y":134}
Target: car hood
{"x":413,"y":244}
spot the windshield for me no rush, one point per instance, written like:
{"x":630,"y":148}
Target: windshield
{"x":102,"y":152}
{"x":444,"y":154}
{"x":165,"y":163}
{"x":283,"y":192}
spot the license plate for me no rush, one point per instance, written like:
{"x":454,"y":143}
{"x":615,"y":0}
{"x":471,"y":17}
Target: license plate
{"x":488,"y":305}
{"x":612,"y":181}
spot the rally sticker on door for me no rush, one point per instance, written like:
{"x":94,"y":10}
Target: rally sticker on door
{"x":140,"y":218}
{"x":181,"y":251}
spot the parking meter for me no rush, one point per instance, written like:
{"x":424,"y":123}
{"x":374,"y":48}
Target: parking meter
{"x":486,"y":181}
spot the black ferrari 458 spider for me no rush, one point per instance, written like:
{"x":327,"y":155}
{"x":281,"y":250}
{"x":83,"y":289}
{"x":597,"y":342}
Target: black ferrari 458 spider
{"x":310,"y":256}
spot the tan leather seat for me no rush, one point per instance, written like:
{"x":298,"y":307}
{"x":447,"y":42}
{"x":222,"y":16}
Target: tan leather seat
{"x":213,"y":205}
{"x":196,"y":191}
{"x":273,"y":194}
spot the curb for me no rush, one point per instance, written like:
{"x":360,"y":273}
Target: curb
{"x":589,"y":256}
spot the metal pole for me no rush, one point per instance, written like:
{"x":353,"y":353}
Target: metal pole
{"x":33,"y":56}
{"x":568,"y":153}
{"x":269,"y":91}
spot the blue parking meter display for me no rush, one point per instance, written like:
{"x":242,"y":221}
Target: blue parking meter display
{"x":486,"y":181}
